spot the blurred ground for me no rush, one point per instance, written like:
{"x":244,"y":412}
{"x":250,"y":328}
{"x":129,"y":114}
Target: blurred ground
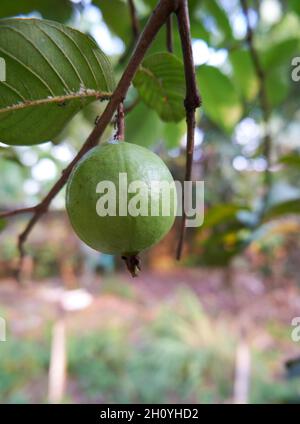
{"x":168,"y":336}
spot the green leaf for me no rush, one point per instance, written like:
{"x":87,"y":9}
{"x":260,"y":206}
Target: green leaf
{"x":220,"y":214}
{"x":151,"y":3}
{"x":3,"y":224}
{"x":291,"y":160}
{"x":220,"y":17}
{"x":244,"y":75}
{"x":116,"y":16}
{"x":8,"y":153}
{"x":295,"y":6}
{"x":279,"y":54}
{"x":219,"y":249}
{"x":142,"y":126}
{"x":277,"y":85}
{"x":58,"y":10}
{"x":226,"y":235}
{"x":160,"y":83}
{"x":284,"y":208}
{"x":173,"y":133}
{"x":277,"y":82}
{"x":198,"y":29}
{"x":221,"y":102}
{"x":52,"y":72}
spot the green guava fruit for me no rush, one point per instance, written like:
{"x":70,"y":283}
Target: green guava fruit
{"x":125,"y":235}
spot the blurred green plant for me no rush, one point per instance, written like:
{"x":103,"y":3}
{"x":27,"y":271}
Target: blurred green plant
{"x":178,"y":356}
{"x":22,"y":363}
{"x":181,"y":354}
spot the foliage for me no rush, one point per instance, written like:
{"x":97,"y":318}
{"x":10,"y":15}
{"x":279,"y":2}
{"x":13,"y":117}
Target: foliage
{"x":60,"y":64}
{"x":52,"y":72}
{"x":181,"y":354}
{"x":228,"y":82}
{"x":21,"y":362}
{"x":58,"y":10}
{"x":161,"y":85}
{"x":178,"y":355}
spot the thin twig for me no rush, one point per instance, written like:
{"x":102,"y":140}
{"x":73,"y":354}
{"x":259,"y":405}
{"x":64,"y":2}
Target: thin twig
{"x":155,"y":22}
{"x":191,"y":103}
{"x":169,"y":30}
{"x":134,"y":20}
{"x":263,"y":97}
{"x":8,"y":214}
{"x":120,"y":134}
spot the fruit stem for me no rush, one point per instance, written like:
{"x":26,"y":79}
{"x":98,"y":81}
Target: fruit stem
{"x":120,"y":133}
{"x":191,"y":103}
{"x":133,"y":264}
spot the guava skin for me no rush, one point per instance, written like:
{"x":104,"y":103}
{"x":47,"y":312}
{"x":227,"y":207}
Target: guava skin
{"x":124,"y":235}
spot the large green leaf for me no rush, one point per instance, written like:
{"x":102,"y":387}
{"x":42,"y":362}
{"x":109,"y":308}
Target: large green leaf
{"x":160,"y":83}
{"x":52,"y":72}
{"x":221,"y":102}
{"x":244,"y":75}
{"x":59,"y":10}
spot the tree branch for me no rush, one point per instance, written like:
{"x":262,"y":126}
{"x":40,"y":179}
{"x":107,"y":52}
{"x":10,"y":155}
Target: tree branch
{"x":155,"y":22}
{"x":169,"y":30}
{"x":8,"y":214}
{"x":191,"y":103}
{"x":263,"y":96}
{"x":134,"y":20}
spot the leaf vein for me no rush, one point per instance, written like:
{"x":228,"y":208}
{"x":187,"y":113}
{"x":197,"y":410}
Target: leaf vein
{"x":58,"y":99}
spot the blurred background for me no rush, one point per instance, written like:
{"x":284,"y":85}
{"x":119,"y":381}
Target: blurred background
{"x":216,"y":327}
